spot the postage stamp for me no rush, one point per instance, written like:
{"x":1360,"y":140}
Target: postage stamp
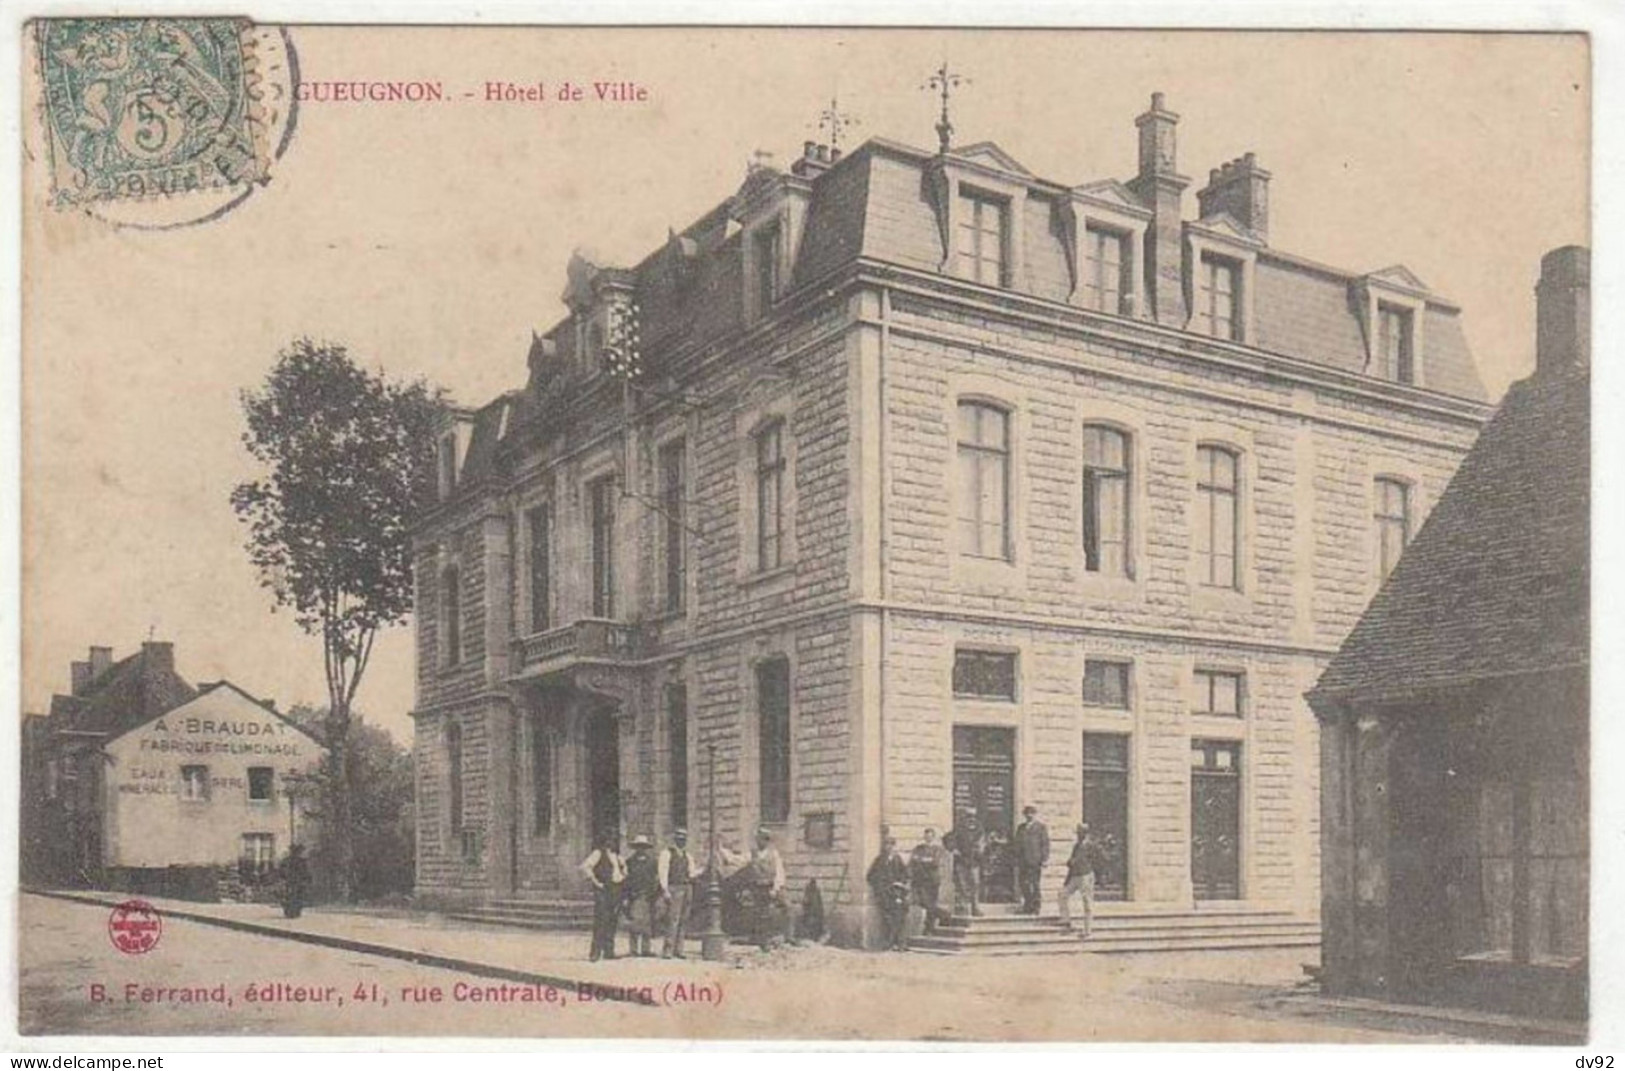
{"x":143,"y":109}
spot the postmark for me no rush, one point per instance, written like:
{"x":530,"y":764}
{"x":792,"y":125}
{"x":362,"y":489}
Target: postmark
{"x":162,"y":121}
{"x":135,"y":927}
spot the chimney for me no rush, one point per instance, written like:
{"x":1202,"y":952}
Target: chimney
{"x":1563,"y":310}
{"x":815,"y":159}
{"x":80,"y":672}
{"x":1160,"y":187}
{"x":158,"y":656}
{"x":1241,"y":188}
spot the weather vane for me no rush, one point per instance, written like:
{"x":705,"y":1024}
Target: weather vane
{"x":834,"y":120}
{"x":945,"y":81}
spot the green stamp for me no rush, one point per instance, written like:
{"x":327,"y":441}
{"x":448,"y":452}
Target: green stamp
{"x":141,"y":108}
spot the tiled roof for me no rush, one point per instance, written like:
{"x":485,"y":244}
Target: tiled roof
{"x":1497,"y":581}
{"x":128,"y":693}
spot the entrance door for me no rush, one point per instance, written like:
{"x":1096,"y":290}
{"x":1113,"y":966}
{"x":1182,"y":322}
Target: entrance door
{"x":984,"y":783}
{"x":1216,"y":819}
{"x":1105,"y":808}
{"x":604,"y":775}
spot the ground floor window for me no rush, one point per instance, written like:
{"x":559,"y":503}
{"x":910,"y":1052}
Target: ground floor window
{"x":1517,"y":888}
{"x":258,"y":856}
{"x":1105,"y":807}
{"x":1216,"y":819}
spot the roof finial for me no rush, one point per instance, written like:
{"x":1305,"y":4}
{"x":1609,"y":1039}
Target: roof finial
{"x":835,"y":121}
{"x":945,"y":81}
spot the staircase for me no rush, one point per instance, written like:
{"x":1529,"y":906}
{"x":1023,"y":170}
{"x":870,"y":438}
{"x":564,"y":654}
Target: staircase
{"x":550,"y":914}
{"x":1123,"y":927}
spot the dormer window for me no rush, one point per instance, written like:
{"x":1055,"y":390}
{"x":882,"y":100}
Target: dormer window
{"x":1396,"y":350}
{"x":446,"y":463}
{"x":765,"y":252}
{"x":1218,"y":293}
{"x":981,"y":240}
{"x":1106,"y":285}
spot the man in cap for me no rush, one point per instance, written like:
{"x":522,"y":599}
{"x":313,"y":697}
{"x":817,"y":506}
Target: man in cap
{"x":642,"y":889}
{"x":969,"y":846}
{"x":676,"y":872}
{"x":888,"y":882}
{"x":925,"y":867}
{"x":605,"y":870}
{"x":1087,"y":858}
{"x":764,"y":884}
{"x":1032,"y":852}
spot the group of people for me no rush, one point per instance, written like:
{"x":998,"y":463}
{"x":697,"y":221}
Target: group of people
{"x":957,"y":862}
{"x":654,"y":892}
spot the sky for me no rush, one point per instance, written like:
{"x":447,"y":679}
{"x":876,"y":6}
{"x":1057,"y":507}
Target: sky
{"x":432,"y":240}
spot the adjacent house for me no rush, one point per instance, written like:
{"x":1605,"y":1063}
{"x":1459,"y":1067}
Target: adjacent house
{"x":906,"y":483}
{"x":1454,"y":720}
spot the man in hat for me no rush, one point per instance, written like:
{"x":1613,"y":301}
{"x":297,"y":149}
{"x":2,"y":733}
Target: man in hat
{"x":676,"y":872}
{"x":968,"y":845}
{"x":925,"y":866}
{"x":605,"y":870}
{"x":764,"y":885}
{"x":1032,"y":852}
{"x":642,"y":890}
{"x":888,"y":882}
{"x":1086,"y":860}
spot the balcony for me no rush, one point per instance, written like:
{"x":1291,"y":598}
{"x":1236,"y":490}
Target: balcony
{"x":587,"y":641}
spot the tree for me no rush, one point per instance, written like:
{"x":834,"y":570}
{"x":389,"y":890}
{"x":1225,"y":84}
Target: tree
{"x":381,"y":780}
{"x":350,"y":462}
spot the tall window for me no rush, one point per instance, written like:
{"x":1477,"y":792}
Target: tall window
{"x":1219,"y":693}
{"x":195,"y":783}
{"x":454,"y":775}
{"x":541,"y":569}
{"x":1217,"y":517}
{"x":984,"y":480}
{"x":981,"y":238}
{"x":1105,"y":270}
{"x":261,"y":783}
{"x":1395,"y":359}
{"x":1217,"y":291}
{"x":1393,"y":523}
{"x":677,"y":741}
{"x":1106,"y":683}
{"x":451,"y":615}
{"x":765,"y":277}
{"x":1105,"y":500}
{"x":985,"y":674}
{"x":674,"y":518}
{"x":770,"y":496}
{"x":601,"y":510}
{"x":541,"y":775}
{"x":773,"y":736}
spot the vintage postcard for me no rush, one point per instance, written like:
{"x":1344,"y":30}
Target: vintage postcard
{"x":926,"y":535}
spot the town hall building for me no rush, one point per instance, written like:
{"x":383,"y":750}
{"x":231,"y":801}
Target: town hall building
{"x":910,"y":482}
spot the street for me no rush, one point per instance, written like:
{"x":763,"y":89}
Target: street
{"x":203,"y":979}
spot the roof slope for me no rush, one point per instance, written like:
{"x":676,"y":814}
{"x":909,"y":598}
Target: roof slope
{"x":1497,"y":582}
{"x":131,"y":691}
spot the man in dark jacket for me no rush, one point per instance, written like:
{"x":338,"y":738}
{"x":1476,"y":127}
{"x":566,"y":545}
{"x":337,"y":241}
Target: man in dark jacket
{"x":1087,"y":858}
{"x":925,"y":878}
{"x":968,"y":844}
{"x":1032,"y":852}
{"x":295,"y":882}
{"x":888,"y":882}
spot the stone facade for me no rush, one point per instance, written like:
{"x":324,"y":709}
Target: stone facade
{"x":856,"y":304}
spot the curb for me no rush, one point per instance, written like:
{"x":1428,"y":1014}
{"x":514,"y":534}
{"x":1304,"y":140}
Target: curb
{"x":347,"y":944}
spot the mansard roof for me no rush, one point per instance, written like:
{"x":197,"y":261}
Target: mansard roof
{"x":1497,"y":582}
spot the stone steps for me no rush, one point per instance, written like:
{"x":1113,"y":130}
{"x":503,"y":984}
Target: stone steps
{"x":1124,"y":928}
{"x":552,"y":914}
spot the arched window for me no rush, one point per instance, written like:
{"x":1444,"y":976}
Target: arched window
{"x":1106,"y":501}
{"x":1218,"y":516}
{"x":454,"y":776}
{"x":1392,"y":518}
{"x":984,"y":480}
{"x":451,"y":615}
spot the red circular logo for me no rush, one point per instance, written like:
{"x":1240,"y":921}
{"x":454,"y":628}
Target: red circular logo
{"x":134,"y":927}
